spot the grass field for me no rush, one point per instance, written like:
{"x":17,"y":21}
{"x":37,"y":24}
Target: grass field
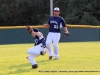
{"x":76,"y":58}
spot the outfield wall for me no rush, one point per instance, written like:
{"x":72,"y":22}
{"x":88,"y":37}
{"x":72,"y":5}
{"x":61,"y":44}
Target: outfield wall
{"x":13,"y":36}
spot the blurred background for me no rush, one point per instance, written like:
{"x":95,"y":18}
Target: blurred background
{"x":35,"y":12}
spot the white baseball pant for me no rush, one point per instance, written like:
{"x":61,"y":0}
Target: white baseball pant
{"x":53,"y":37}
{"x":34,"y":52}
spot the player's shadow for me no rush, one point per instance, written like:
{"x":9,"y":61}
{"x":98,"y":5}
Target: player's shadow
{"x":23,"y":67}
{"x":44,"y":61}
{"x":18,"y":68}
{"x":18,"y":71}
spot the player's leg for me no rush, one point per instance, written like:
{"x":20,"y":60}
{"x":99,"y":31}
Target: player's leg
{"x":36,"y":49}
{"x":34,"y":52}
{"x":48,"y":45}
{"x":31,"y":58}
{"x":56,"y":39}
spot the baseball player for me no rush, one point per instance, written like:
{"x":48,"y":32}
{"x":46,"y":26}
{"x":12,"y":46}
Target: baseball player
{"x":55,"y":23}
{"x":39,"y":47}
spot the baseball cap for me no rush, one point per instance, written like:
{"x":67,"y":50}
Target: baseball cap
{"x":56,"y":9}
{"x":35,"y":30}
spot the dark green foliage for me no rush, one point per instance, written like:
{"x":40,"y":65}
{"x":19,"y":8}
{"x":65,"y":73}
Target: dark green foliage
{"x":22,"y":12}
{"x":35,"y":12}
{"x":84,"y":12}
{"x":88,"y":19}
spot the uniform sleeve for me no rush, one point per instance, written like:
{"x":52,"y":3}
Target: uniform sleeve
{"x":63,"y":22}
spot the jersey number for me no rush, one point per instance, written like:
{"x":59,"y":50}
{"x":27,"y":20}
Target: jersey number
{"x":56,"y":26}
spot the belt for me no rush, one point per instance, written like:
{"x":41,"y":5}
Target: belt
{"x":55,"y":32}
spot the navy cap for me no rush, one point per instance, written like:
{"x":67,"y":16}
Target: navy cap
{"x":35,"y":30}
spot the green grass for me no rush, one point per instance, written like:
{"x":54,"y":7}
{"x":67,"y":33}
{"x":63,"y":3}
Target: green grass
{"x":74,"y":56}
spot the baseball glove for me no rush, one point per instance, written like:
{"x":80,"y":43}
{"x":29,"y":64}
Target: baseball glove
{"x":67,"y":33}
{"x":42,"y":52}
{"x":29,"y":29}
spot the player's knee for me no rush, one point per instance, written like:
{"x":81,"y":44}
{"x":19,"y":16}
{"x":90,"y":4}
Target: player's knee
{"x":28,"y":51}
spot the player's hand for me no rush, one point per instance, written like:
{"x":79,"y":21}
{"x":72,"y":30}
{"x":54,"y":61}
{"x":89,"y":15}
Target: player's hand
{"x":42,"y":52}
{"x":29,"y":28}
{"x":45,"y":25}
{"x":67,"y":33}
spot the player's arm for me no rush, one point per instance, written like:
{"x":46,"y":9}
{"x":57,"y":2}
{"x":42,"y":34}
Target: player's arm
{"x":32,"y":32}
{"x":66,"y":32}
{"x":47,"y":25}
{"x":36,"y":34}
{"x":65,"y":29}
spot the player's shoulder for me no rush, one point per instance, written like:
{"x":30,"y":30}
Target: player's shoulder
{"x":61,"y":18}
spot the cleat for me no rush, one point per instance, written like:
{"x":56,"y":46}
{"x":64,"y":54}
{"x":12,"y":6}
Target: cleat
{"x":50,"y":57}
{"x":34,"y":66}
{"x":26,"y":57}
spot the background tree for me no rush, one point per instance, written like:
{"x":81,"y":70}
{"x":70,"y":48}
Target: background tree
{"x":35,"y":12}
{"x":78,"y":9}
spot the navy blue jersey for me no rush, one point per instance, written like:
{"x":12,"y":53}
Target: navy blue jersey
{"x":55,"y":23}
{"x":39,"y":40}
